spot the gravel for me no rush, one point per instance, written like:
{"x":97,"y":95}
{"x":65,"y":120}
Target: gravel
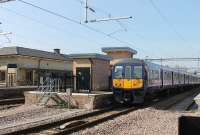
{"x":25,"y":113}
{"x":27,"y":116}
{"x":6,"y":107}
{"x":147,"y":121}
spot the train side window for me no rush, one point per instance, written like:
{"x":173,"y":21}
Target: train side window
{"x":118,"y":72}
{"x":154,"y":74}
{"x":137,"y":72}
{"x":128,"y":72}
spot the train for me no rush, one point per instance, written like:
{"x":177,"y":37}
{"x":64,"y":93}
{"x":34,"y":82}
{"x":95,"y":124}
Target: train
{"x":133,"y":79}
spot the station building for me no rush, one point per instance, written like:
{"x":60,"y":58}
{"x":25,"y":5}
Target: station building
{"x":30,"y":67}
{"x":21,"y":66}
{"x":91,"y":71}
{"x":88,"y":74}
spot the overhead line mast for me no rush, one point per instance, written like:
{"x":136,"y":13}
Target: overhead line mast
{"x":88,"y":8}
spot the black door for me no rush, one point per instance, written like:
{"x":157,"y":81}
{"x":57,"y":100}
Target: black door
{"x":83,"y":78}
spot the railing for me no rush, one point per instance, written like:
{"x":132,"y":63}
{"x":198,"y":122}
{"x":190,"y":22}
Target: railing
{"x":50,"y":89}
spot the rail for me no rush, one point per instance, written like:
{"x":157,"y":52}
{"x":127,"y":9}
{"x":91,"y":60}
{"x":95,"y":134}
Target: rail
{"x":12,"y":101}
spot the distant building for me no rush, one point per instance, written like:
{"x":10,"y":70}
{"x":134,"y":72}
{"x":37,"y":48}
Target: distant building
{"x":119,"y":53}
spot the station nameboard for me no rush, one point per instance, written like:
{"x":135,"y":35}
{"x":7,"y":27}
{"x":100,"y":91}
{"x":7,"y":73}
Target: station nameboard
{"x":12,"y":65}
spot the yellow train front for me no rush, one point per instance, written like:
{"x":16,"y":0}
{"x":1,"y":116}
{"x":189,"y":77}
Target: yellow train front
{"x":128,"y":82}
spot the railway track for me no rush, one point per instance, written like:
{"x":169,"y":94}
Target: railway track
{"x":83,"y":121}
{"x":12,"y":101}
{"x":172,"y":101}
{"x":80,"y":122}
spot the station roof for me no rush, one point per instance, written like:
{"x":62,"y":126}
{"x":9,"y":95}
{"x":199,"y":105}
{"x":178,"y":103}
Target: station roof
{"x":15,"y":50}
{"x":90,"y":55}
{"x":118,"y":49}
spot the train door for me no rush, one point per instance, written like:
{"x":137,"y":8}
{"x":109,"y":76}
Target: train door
{"x":162,"y":77}
{"x":83,"y":78}
{"x":127,"y":77}
{"x":137,"y":76}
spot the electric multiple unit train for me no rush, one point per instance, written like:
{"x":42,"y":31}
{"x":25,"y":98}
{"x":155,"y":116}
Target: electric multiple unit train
{"x":132,"y":79}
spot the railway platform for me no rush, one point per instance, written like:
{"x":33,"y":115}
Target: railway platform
{"x":91,"y":101}
{"x":13,"y":92}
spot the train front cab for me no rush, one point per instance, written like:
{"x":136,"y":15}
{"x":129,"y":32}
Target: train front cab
{"x":128,"y":83}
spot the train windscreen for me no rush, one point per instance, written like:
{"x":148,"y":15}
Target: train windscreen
{"x":137,"y":72}
{"x":128,"y":72}
{"x":118,"y":72}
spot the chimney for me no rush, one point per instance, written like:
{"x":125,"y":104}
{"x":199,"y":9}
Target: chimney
{"x":57,"y":51}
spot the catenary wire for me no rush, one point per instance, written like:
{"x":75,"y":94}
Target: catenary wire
{"x":74,"y":21}
{"x":157,"y":9}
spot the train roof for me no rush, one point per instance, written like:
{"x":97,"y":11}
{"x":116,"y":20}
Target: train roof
{"x":151,"y":65}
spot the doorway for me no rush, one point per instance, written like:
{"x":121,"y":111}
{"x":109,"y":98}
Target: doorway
{"x":11,"y":79}
{"x":83,"y":78}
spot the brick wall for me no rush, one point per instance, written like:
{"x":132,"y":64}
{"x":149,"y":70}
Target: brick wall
{"x":100,"y":74}
{"x":80,"y":101}
{"x":120,"y":55}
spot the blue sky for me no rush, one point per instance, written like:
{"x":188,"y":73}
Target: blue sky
{"x":175,"y":35}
